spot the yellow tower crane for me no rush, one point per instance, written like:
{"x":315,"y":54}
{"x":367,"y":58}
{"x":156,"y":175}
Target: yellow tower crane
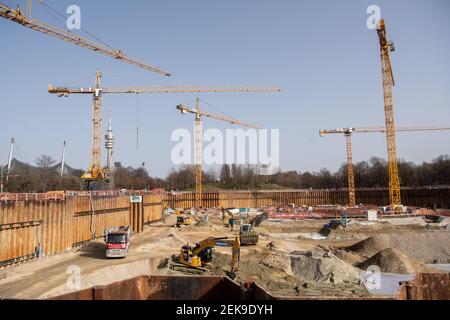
{"x":95,"y":171}
{"x":388,"y":82}
{"x":16,"y":15}
{"x":347,"y":132}
{"x":198,"y":139}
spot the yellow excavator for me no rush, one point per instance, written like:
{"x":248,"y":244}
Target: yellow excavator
{"x":183,"y":221}
{"x":199,"y":257}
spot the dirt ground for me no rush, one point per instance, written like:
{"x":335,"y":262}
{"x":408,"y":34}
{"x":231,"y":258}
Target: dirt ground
{"x":288,"y":260}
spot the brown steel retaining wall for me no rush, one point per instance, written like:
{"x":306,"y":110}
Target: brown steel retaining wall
{"x":425,"y":286}
{"x":420,"y":197}
{"x":61,"y":224}
{"x":162,"y":288}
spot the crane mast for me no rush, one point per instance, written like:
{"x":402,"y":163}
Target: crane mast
{"x":351,"y":175}
{"x":198,"y":141}
{"x":388,"y":82}
{"x":198,"y":146}
{"x":95,"y":170}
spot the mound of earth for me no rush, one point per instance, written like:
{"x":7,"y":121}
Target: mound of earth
{"x":171,"y":240}
{"x":348,"y":256}
{"x":322,"y":266}
{"x":287,"y":246}
{"x":426,"y":247}
{"x":393,"y":261}
{"x":274,"y":273}
{"x":202,"y":225}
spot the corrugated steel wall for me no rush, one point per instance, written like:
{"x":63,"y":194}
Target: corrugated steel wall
{"x":420,"y":197}
{"x":58,"y":225}
{"x":62,"y":223}
{"x":152,"y":207}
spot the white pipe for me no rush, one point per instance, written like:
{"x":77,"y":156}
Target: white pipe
{"x":63,"y":158}
{"x":10,"y":159}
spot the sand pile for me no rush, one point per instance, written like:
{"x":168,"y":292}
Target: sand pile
{"x":426,"y":247}
{"x":202,"y":225}
{"x":393,"y":261}
{"x":348,"y":256}
{"x":287,"y":246}
{"x":310,"y":266}
{"x":171,"y":240}
{"x":283,"y":276}
{"x":322,"y":266}
{"x":311,"y":263}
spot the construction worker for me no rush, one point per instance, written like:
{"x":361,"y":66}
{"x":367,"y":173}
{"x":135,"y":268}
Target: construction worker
{"x":231,"y":222}
{"x":38,"y":250}
{"x":345,"y":220}
{"x":163,"y":214}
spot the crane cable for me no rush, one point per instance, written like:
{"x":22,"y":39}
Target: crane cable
{"x":215,"y":108}
{"x":59,"y":14}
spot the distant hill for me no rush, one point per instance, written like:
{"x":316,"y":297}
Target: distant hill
{"x":18,"y":167}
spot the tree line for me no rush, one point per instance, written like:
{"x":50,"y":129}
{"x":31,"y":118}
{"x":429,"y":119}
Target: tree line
{"x":368,"y":174}
{"x":45,"y":176}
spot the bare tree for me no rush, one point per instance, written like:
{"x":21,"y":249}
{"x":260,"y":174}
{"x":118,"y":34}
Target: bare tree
{"x":44,"y":161}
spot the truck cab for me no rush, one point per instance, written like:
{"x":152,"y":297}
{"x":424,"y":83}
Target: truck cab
{"x":117,"y":242}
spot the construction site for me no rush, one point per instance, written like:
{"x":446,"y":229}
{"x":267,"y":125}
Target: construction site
{"x":86,"y":235}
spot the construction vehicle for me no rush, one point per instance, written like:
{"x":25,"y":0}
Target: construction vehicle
{"x":348,"y":139}
{"x":198,"y":139}
{"x":197,"y":259}
{"x":95,"y":171}
{"x":256,"y":221}
{"x":335,"y":224}
{"x":183,"y":221}
{"x":117,"y":241}
{"x":247,"y":236}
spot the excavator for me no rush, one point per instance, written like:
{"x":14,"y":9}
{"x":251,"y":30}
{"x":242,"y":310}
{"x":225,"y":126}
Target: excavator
{"x":183,"y":221}
{"x":197,"y":259}
{"x":247,"y":235}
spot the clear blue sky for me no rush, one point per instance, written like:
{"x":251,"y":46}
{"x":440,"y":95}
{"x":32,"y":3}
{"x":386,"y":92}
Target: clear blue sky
{"x":320,"y":52}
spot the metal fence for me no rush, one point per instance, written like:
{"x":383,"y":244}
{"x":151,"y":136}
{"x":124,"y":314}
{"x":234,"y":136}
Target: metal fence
{"x":59,"y":223}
